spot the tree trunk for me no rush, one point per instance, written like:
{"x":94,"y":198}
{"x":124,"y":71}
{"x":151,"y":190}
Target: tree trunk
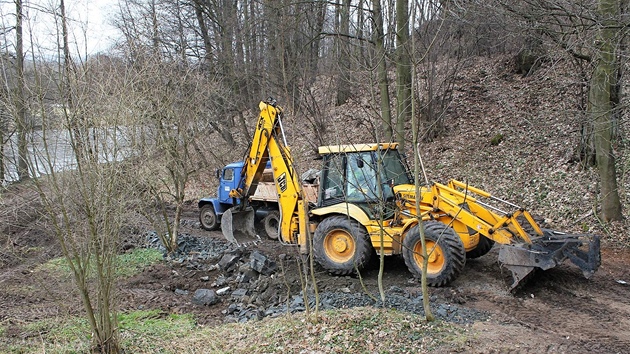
{"x":403,"y":71}
{"x":383,"y":82}
{"x":207,"y":43}
{"x":2,"y":171}
{"x":600,"y":110}
{"x":343,"y":45}
{"x":20,"y":104}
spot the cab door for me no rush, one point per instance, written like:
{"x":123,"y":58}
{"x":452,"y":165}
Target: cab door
{"x":228,"y":180}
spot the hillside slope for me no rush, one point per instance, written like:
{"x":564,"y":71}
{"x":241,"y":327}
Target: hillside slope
{"x":535,"y":123}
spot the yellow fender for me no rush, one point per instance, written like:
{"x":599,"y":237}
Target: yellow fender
{"x":348,"y":209}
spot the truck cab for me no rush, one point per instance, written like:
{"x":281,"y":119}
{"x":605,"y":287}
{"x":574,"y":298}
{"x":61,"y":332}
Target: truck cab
{"x":212,"y":208}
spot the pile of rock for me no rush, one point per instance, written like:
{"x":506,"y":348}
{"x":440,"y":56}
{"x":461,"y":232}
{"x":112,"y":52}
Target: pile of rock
{"x":249,"y":283}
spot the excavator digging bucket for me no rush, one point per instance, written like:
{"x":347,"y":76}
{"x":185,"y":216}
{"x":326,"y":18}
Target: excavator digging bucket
{"x":237,"y":226}
{"x":548,"y":252}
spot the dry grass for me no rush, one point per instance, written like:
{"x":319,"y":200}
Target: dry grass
{"x":357,"y":330}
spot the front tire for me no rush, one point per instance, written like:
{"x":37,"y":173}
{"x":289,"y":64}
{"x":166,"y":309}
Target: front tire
{"x":208,"y":218}
{"x":341,"y":245}
{"x":445,"y":249}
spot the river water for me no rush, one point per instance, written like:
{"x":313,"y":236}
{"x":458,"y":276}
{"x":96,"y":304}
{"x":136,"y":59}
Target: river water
{"x":52,"y":150}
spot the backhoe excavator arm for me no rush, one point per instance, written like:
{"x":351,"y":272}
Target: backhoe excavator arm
{"x":268,"y":144}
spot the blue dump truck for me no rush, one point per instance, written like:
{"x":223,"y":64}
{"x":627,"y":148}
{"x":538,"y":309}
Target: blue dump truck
{"x":264,"y":201}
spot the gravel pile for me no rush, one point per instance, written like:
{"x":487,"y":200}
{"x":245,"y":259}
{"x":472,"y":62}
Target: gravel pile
{"x":401,"y":301}
{"x":195,"y":252}
{"x":247,"y":280}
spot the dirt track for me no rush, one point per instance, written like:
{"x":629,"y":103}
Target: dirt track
{"x":557,"y":311}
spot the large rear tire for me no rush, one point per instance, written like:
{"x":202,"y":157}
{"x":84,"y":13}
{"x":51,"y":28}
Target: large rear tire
{"x":208,"y":218}
{"x":341,"y":245}
{"x":445,"y":249}
{"x":484,"y":246}
{"x":271,"y":222}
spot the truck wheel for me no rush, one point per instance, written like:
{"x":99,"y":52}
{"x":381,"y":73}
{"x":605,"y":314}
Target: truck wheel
{"x":271,"y":222}
{"x":208,"y":218}
{"x":445,"y":249}
{"x":341,"y":245}
{"x":484,"y":246}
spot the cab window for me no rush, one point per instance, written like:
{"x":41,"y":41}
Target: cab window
{"x":361,"y":178}
{"x":332,"y":187}
{"x":228,"y":174}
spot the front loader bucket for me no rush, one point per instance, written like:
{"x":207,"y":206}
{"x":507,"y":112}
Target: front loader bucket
{"x":549,"y":251}
{"x":237,"y":226}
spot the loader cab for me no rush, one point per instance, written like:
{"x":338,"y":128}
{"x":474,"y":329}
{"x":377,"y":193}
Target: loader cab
{"x":352,"y":174}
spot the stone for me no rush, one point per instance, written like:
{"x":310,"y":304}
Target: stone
{"x":205,"y":297}
{"x":220,"y":281}
{"x":232,"y":308}
{"x":223,"y":291}
{"x":227,"y":261}
{"x":247,"y":276}
{"x":262,"y":264}
{"x":239,"y":293}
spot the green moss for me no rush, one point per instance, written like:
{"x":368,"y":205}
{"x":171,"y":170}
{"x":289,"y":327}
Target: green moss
{"x":132,"y":263}
{"x":127,"y":264}
{"x":142,"y":331}
{"x":496,"y":140}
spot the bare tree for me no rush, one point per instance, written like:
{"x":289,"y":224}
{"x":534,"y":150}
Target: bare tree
{"x":86,"y":208}
{"x":573,"y":27}
{"x":343,"y":48}
{"x":381,"y":60}
{"x":403,"y":70}
{"x":600,"y":106}
{"x":19,"y":98}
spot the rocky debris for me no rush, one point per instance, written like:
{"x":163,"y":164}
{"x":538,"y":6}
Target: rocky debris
{"x":337,"y":300}
{"x":195,"y":253}
{"x":245,"y":280}
{"x":181,"y":292}
{"x":310,"y":176}
{"x":205,"y":297}
{"x":227,"y":261}
{"x":193,"y":224}
{"x":262,"y":264}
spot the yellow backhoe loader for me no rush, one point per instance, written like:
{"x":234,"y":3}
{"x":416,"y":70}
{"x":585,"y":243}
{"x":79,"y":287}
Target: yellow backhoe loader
{"x":367,"y":199}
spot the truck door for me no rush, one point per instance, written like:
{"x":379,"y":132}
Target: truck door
{"x":228,"y":180}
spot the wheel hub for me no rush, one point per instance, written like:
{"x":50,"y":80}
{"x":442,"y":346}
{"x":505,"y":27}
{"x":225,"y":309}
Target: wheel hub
{"x":435,"y":261}
{"x":340,"y":245}
{"x":432,"y":256}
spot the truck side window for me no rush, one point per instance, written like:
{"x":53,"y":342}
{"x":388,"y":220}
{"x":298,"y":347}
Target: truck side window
{"x":228,"y":174}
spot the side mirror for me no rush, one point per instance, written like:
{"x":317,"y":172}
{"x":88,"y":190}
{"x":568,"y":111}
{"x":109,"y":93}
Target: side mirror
{"x":218,"y":173}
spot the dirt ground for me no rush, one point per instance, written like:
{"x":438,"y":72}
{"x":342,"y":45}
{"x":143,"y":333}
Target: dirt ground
{"x":557,"y":312}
